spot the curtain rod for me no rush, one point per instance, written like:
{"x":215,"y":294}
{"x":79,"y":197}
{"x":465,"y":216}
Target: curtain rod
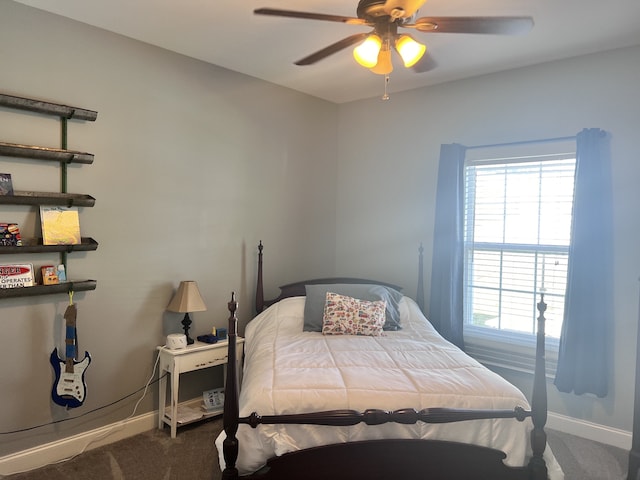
{"x":545,"y":140}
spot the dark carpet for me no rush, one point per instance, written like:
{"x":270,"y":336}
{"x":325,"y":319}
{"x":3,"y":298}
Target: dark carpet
{"x":153,"y":455}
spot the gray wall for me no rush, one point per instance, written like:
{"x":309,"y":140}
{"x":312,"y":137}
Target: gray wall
{"x":194,"y":165}
{"x":388,"y":168}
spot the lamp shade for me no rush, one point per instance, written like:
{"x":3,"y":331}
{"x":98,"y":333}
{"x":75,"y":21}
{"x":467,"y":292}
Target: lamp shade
{"x":366,"y":54}
{"x":410,"y":50}
{"x":384,"y":65}
{"x":187,"y":299}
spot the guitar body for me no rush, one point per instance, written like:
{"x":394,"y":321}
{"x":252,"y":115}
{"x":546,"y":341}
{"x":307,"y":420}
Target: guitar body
{"x":69,"y":388}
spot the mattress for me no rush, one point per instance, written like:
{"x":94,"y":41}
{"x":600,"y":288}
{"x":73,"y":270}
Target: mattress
{"x":289,"y":371}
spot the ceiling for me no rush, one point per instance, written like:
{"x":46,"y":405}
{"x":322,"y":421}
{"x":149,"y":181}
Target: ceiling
{"x":228,"y":34}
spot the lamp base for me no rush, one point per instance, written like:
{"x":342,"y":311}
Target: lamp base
{"x":186,"y":323}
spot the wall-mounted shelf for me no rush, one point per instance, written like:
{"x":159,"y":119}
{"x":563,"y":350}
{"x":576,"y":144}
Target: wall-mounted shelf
{"x":88,"y":244}
{"x":44,"y":153}
{"x":62,"y":198}
{"x":79,"y":286}
{"x":48,"y":198}
{"x":47,"y":108}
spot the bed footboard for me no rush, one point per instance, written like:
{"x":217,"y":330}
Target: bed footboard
{"x":393,"y":459}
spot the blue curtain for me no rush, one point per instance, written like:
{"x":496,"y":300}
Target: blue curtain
{"x":446,"y":301}
{"x":582,"y":361}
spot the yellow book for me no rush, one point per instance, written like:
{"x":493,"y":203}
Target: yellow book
{"x":60,"y":225}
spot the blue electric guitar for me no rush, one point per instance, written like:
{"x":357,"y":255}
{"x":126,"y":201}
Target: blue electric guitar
{"x":69,"y":389}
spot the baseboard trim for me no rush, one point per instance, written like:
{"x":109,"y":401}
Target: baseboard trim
{"x":61,"y":450}
{"x":66,"y":448}
{"x":591,"y":431}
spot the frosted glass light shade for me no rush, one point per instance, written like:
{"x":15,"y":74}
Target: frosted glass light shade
{"x":366,"y":54}
{"x":410,"y":50}
{"x":384,"y":65}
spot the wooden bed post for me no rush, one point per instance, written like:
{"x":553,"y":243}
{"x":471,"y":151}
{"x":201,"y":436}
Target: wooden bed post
{"x":634,"y":453}
{"x":539,"y":402}
{"x":231,"y":407}
{"x":259,"y":285}
{"x":420,"y":292}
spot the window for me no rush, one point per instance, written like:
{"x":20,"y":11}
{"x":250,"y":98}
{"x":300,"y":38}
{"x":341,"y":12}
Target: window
{"x":517,"y":232}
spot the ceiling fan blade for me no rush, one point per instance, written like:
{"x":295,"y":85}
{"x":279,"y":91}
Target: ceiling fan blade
{"x":482,"y":25}
{"x":402,"y":8}
{"x":310,"y":16}
{"x":425,"y":64}
{"x":333,"y":48}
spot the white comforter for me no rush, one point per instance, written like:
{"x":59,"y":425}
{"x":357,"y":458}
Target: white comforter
{"x":291,"y":371}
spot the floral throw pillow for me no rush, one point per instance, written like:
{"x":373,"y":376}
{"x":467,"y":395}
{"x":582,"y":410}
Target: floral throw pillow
{"x":350,"y":316}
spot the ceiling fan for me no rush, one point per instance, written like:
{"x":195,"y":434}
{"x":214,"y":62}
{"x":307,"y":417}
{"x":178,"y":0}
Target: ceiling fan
{"x":386,"y":16}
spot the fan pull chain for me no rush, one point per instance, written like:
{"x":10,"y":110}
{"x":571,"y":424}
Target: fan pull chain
{"x":386,"y":82}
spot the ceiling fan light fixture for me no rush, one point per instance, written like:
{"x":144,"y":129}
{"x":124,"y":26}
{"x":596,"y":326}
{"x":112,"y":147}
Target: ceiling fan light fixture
{"x":410,"y":50}
{"x":384,"y":65}
{"x":366,"y":54}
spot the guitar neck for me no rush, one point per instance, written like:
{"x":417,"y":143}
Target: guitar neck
{"x":71,"y":351}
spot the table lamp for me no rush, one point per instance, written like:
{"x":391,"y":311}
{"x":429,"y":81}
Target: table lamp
{"x":187,"y":299}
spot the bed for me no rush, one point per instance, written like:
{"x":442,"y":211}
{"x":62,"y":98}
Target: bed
{"x":398,"y":401}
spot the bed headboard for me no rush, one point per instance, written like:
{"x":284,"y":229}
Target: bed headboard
{"x":297,"y":289}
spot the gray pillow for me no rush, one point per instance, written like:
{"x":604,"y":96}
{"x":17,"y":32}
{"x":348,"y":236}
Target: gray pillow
{"x":316,"y":297}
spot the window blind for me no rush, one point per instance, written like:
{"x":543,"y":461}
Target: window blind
{"x":517,"y":233}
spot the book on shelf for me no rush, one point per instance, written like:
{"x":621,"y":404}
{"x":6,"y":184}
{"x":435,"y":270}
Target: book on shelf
{"x":62,"y":273}
{"x":6,"y":185}
{"x":16,"y":275}
{"x":10,"y":235}
{"x":185,"y":414}
{"x":213,"y":400}
{"x":49,"y":275}
{"x":60,"y":225}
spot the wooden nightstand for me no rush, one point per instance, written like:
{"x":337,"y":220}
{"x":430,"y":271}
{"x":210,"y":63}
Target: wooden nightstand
{"x":194,"y":357}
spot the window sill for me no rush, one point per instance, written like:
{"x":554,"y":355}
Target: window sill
{"x":511,"y":351}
